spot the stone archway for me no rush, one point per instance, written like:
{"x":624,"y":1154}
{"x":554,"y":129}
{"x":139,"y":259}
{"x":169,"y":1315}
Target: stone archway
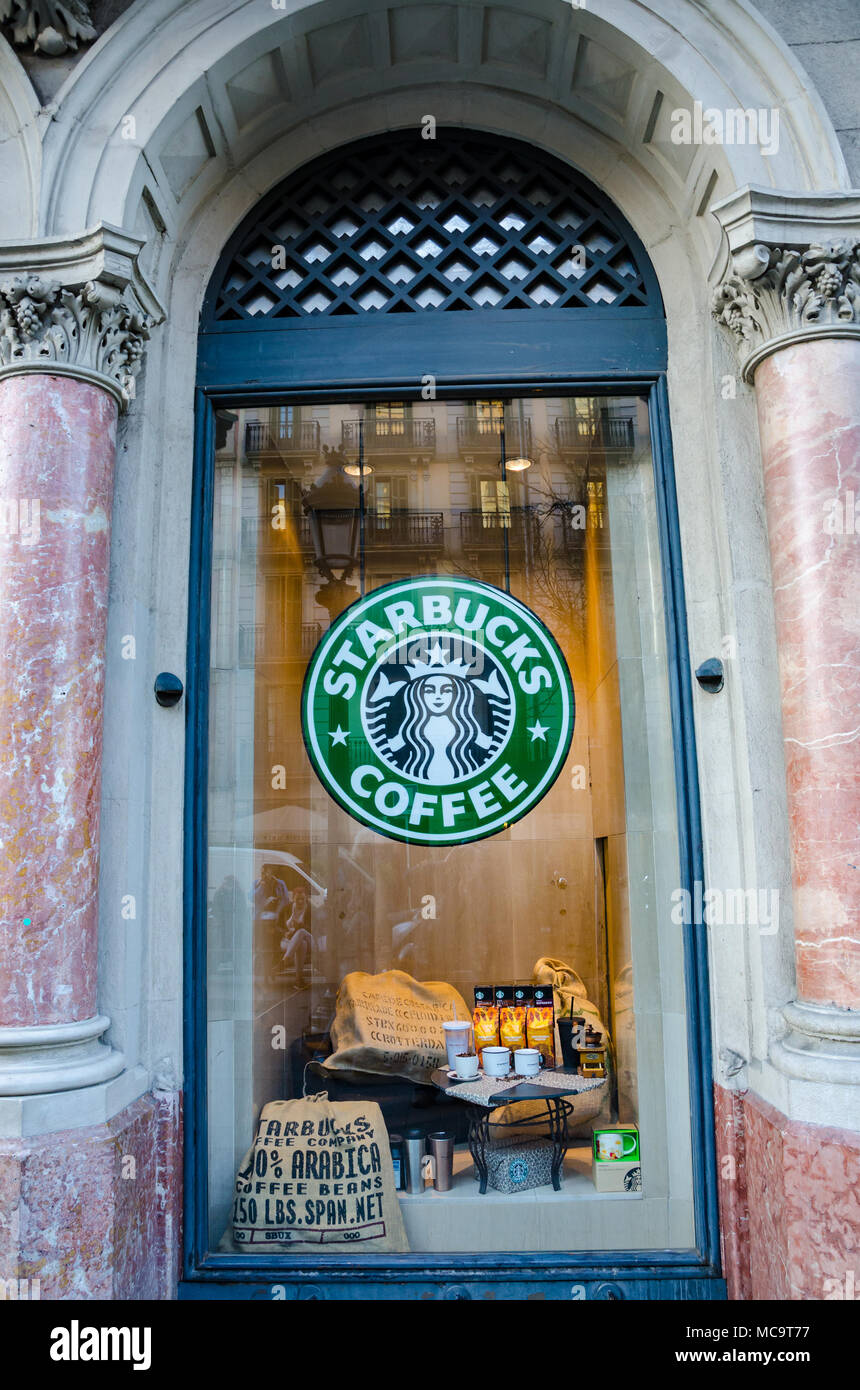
{"x":173,"y":126}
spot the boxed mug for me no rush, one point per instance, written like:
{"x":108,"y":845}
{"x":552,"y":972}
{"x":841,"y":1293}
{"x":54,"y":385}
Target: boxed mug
{"x":615,"y":1159}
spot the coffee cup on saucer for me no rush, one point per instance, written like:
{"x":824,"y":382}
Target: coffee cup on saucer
{"x":466,"y":1065}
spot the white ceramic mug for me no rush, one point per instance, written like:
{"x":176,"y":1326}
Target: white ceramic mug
{"x":466,"y":1066}
{"x":497,"y":1061}
{"x":527,"y":1061}
{"x":612,"y":1145}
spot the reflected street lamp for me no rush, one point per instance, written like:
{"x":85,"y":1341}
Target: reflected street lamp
{"x":332,"y":506}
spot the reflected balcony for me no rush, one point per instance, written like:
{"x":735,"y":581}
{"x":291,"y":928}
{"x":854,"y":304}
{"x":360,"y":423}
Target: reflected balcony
{"x":485,"y":530}
{"x":575,"y":434}
{"x":258,"y":533}
{"x":404,"y":530}
{"x":301,"y":438}
{"x":390,"y":436}
{"x":259,"y":642}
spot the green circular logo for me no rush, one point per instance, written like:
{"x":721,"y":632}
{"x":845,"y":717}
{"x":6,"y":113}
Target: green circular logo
{"x":437,"y":710}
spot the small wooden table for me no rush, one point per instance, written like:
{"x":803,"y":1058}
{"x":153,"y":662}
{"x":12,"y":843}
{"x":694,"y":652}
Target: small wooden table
{"x":555,"y":1087}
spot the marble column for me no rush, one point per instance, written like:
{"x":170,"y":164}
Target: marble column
{"x":57,"y":439}
{"x":72,"y":330}
{"x":808,"y":399}
{"x":89,"y":1161}
{"x":791,"y":301}
{"x":794,"y":311}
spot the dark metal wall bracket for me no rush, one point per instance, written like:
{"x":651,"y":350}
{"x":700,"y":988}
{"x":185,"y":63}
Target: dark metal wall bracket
{"x":710,"y":675}
{"x":168,"y":689}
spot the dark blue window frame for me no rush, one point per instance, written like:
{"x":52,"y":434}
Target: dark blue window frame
{"x":593,"y":351}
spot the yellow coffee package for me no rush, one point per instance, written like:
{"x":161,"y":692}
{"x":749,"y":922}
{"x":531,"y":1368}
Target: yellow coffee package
{"x":540,"y":1023}
{"x":513,"y":1001}
{"x":485,"y":1022}
{"x":512,"y":1026}
{"x":540,"y":1031}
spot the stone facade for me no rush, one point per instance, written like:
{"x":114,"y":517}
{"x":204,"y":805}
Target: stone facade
{"x":96,"y":1213}
{"x":788,"y":1203}
{"x":123,"y":204}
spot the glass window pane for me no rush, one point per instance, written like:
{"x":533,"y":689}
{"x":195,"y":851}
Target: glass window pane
{"x":550,"y":500}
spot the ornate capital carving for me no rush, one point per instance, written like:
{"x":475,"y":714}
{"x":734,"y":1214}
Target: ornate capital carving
{"x":42,"y":324}
{"x":805,"y":286}
{"x":51,"y":26}
{"x":91,"y":318}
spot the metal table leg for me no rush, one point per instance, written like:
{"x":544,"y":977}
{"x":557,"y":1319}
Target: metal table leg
{"x":479,"y":1133}
{"x":558,"y":1110}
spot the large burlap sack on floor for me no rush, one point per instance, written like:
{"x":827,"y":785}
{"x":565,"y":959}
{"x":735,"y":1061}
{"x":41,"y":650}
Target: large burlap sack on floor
{"x":391,"y":1024}
{"x":318,"y":1177}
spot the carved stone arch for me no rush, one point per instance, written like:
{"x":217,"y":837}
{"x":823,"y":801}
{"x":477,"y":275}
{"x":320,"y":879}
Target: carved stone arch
{"x":20,"y":146}
{"x":219,"y":92}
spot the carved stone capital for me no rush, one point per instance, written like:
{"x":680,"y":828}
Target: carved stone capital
{"x":793,"y":270}
{"x":77,"y":307}
{"x":51,"y":27}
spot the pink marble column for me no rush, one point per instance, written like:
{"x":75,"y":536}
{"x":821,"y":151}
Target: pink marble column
{"x":808,"y":399}
{"x":57,"y":447}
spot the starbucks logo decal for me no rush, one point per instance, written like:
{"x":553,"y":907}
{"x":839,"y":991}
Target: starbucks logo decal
{"x":437,"y":710}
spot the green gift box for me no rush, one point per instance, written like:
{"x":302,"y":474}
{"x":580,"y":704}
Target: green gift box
{"x":615,"y":1165}
{"x":615,"y":1144}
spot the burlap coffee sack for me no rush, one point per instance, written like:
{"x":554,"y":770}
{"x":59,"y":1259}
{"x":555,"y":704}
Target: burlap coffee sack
{"x":319,"y":1178}
{"x":391,"y":1024}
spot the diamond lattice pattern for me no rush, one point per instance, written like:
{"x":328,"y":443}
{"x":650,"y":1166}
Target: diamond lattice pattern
{"x":404,"y":225}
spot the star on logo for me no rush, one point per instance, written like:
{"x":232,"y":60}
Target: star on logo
{"x":538,"y":730}
{"x":338,"y":735}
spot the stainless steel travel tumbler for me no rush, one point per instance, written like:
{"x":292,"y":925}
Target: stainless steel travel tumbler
{"x":414,"y":1149}
{"x":442,"y":1149}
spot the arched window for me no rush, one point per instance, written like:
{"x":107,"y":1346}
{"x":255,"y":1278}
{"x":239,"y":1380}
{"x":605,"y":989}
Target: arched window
{"x":403,"y":226}
{"x":397,"y":225}
{"x":441,"y":697}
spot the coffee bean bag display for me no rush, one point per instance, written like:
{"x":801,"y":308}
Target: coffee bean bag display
{"x":319,"y":1178}
{"x":569,"y":997}
{"x":391,"y":1025}
{"x":568,"y":992}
